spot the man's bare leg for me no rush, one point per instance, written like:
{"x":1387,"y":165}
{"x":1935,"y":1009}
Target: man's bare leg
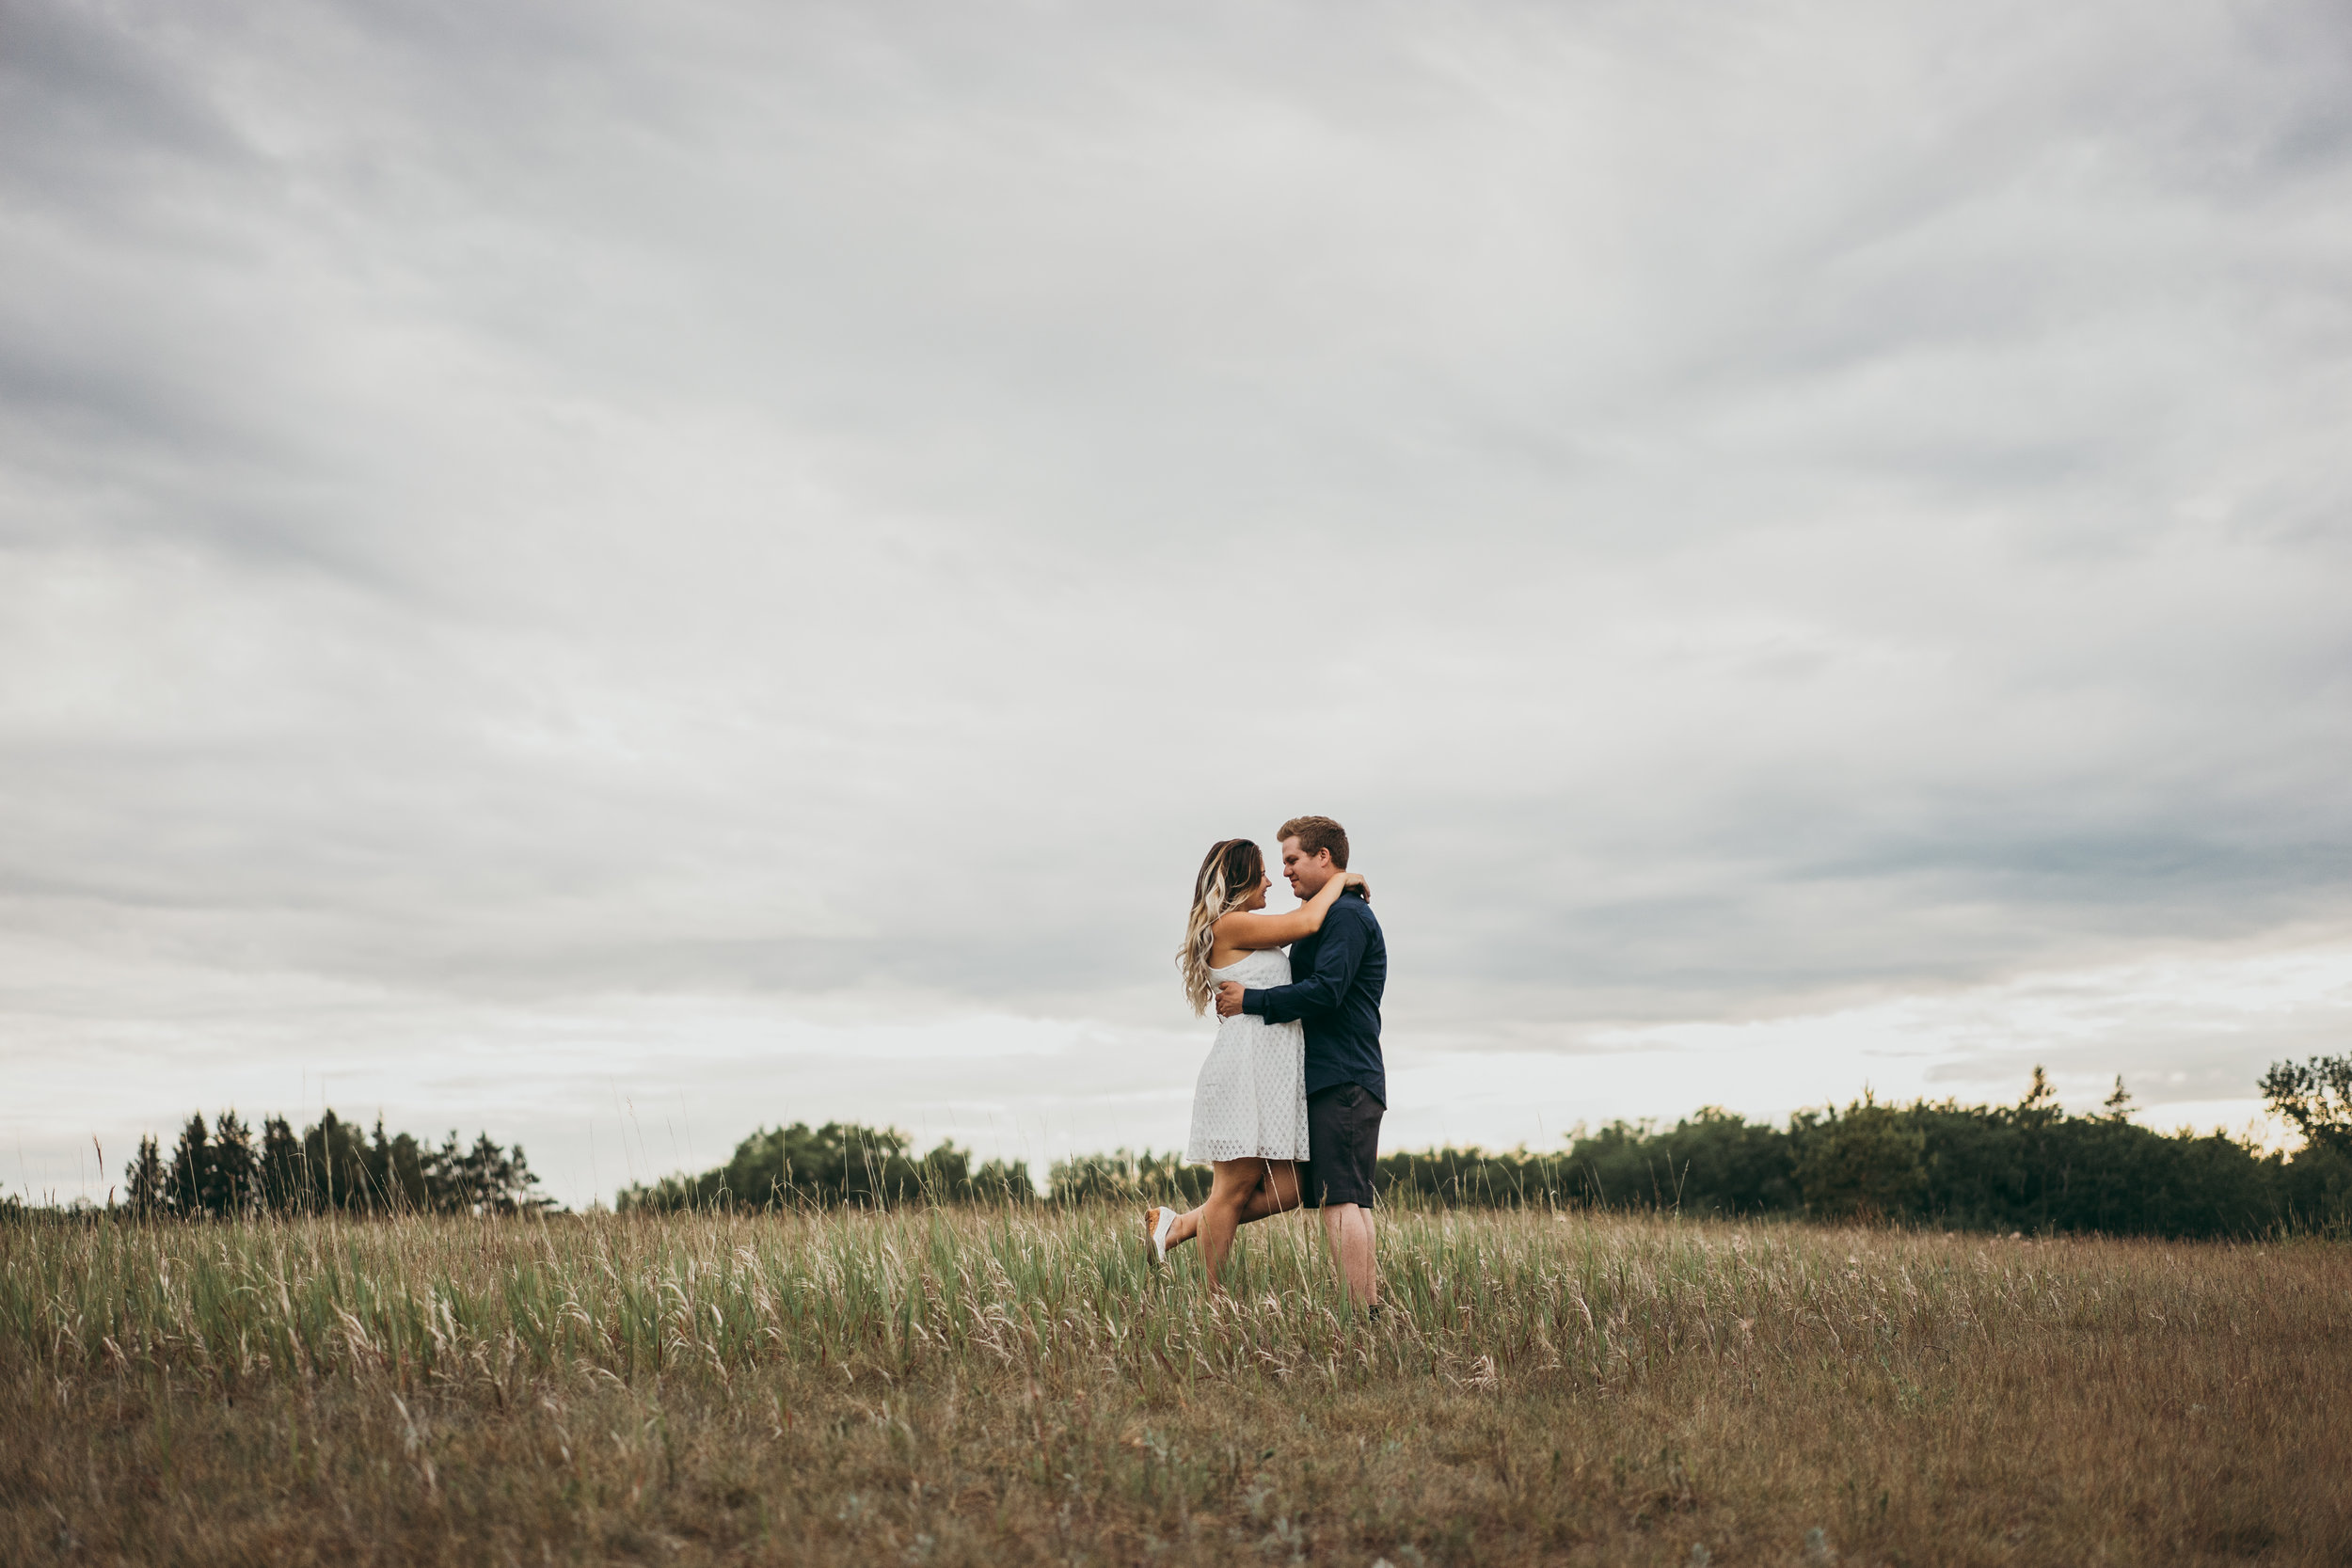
{"x":1277,"y":1193}
{"x":1348,"y":1227}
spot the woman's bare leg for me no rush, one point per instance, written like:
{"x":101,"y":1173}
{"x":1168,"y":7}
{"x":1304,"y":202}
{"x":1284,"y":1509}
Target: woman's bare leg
{"x":1277,"y":1193}
{"x":1230,"y":1189}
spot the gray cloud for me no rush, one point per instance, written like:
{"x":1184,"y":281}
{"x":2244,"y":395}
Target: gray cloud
{"x":811,"y":510}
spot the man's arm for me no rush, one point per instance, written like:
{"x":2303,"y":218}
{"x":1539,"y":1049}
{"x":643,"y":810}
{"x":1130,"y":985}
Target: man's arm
{"x":1337,"y":958}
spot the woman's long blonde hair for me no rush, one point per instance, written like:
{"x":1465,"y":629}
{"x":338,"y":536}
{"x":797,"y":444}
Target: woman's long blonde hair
{"x":1229,"y":875}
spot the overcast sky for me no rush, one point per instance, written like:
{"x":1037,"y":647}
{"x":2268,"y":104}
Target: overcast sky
{"x":618,"y":573}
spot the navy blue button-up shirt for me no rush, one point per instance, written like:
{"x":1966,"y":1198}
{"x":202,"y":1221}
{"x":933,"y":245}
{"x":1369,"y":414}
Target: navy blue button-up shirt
{"x":1339,"y":975}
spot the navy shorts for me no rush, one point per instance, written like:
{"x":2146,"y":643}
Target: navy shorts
{"x":1342,"y":1146}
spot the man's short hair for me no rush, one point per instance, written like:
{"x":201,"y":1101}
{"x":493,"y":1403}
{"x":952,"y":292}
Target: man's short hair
{"x":1314,"y":833}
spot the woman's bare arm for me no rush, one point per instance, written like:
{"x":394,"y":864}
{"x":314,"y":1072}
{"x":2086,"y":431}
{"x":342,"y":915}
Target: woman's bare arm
{"x":1245,"y":933}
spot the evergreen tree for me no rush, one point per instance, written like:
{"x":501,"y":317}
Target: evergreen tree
{"x":235,"y":1186}
{"x":397,"y":1166}
{"x":284,"y":1186}
{"x":487,"y":1179}
{"x":335,"y":1162}
{"x":143,"y":1180}
{"x":219,"y":1171}
{"x":2041,"y":1103}
{"x":190,"y":1179}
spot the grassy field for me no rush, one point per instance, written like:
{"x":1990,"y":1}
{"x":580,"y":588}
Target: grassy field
{"x":1017,"y":1385}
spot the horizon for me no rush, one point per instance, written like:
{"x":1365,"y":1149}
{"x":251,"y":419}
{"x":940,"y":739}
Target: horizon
{"x":2265,"y":1134}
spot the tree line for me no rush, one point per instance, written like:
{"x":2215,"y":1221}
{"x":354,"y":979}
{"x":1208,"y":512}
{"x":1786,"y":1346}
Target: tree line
{"x":223,"y":1171}
{"x":2031,"y":1166}
{"x":840,"y":1163}
{"x":844,"y":1164}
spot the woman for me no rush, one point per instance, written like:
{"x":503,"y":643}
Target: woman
{"x":1249,"y":1107}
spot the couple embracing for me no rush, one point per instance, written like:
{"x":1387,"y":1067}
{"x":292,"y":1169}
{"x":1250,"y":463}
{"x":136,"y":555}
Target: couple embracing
{"x":1287,"y":1111}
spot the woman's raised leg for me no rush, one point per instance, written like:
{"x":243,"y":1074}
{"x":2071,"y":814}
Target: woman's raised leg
{"x":1277,"y":1193}
{"x":1230,"y":1190}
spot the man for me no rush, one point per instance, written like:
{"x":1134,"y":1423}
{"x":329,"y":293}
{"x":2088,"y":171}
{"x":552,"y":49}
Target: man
{"x":1340,"y":972}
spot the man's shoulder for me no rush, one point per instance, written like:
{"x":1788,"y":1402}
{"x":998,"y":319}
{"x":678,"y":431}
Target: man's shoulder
{"x":1355,"y":909}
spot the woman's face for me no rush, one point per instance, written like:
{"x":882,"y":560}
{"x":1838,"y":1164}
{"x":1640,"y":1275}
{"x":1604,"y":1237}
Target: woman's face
{"x":1257,"y":894}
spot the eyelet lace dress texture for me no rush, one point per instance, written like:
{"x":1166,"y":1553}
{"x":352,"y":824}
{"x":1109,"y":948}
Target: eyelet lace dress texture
{"x":1250,"y":1102}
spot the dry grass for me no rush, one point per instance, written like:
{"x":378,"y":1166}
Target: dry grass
{"x":977,"y":1388}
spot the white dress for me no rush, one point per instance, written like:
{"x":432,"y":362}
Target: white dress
{"x":1251,"y":1099}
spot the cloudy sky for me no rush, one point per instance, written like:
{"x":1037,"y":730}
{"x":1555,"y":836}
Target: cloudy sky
{"x":617,"y":574}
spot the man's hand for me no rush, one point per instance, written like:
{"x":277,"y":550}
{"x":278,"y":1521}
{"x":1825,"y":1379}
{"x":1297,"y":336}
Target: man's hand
{"x":1228,"y":998}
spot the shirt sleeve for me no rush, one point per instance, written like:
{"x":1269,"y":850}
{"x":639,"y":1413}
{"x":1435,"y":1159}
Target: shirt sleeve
{"x":1338,"y":956}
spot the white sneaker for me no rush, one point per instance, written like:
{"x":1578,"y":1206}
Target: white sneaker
{"x":1159,"y":1221}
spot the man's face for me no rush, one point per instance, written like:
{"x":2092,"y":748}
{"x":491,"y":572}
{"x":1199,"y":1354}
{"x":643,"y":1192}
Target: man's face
{"x":1307,"y":873}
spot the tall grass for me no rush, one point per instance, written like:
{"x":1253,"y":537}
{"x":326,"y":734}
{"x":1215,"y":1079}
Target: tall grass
{"x":1564,"y":1300}
{"x":1767,"y":1367}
